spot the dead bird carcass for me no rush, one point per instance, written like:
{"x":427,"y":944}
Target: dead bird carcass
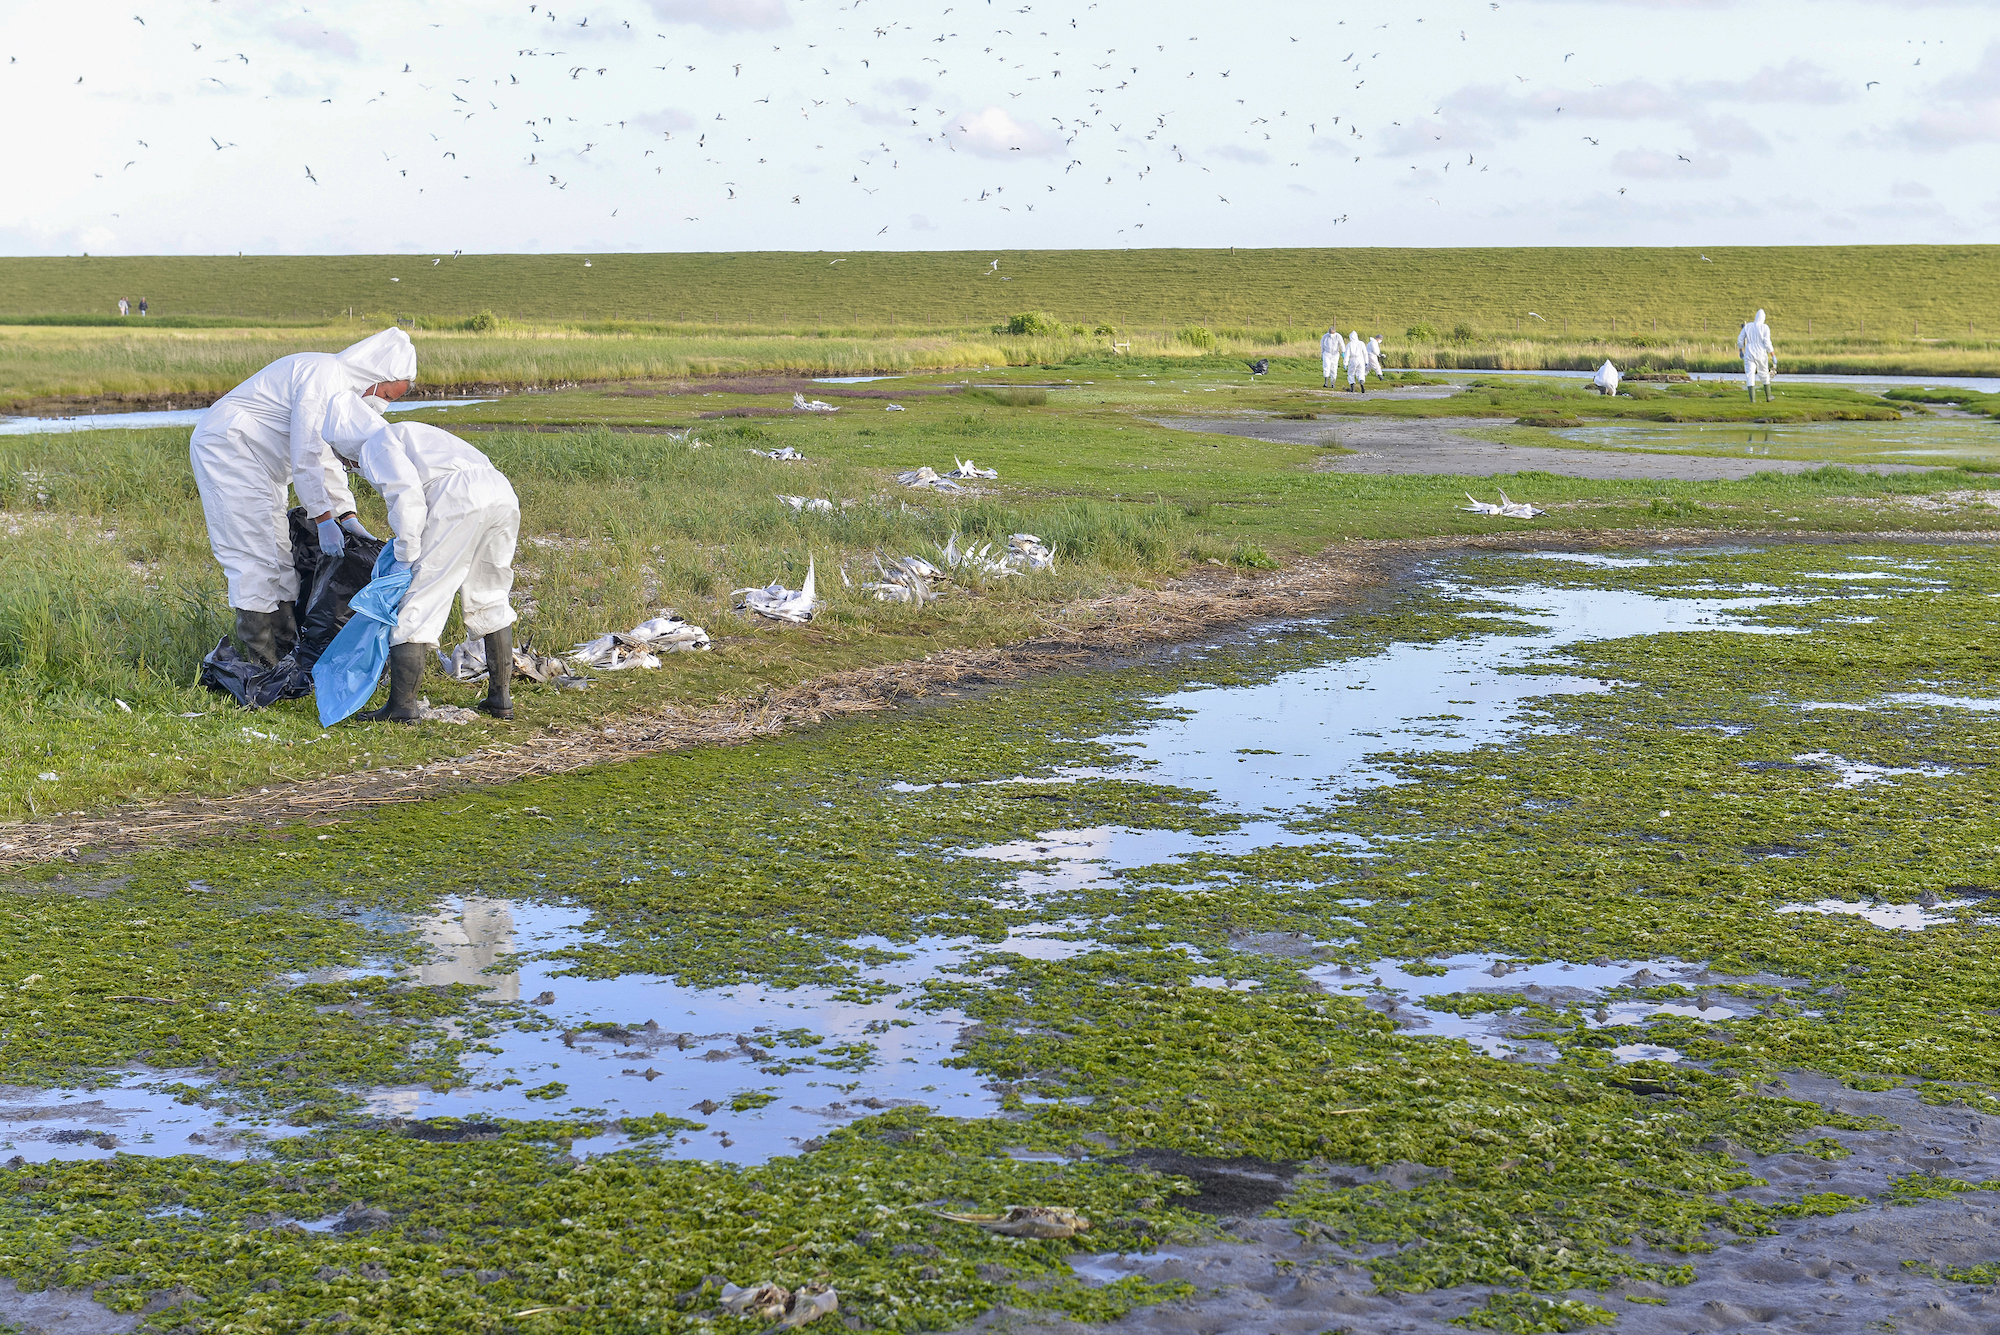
{"x":818,"y":505}
{"x":640,"y":647}
{"x":784,"y":454}
{"x":927,"y":477}
{"x":779,"y":603}
{"x":799,"y":403}
{"x":1025,"y":1221}
{"x":467,"y":663}
{"x":1506,"y":509}
{"x":774,"y":1302}
{"x":905,"y":579}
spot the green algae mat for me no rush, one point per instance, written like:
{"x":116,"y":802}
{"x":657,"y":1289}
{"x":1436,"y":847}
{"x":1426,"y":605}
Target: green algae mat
{"x":1490,"y":919}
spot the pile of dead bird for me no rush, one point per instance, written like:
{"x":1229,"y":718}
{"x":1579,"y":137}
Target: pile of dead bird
{"x":928,"y":478}
{"x":614,"y":651}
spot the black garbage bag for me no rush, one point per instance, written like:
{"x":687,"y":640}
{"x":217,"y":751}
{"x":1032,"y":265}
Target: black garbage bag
{"x":253,"y":685}
{"x":326,"y":583}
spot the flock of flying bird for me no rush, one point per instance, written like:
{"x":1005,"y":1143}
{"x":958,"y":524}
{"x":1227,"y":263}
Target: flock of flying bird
{"x":1120,"y":103}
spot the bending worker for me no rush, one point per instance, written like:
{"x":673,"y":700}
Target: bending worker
{"x":1758,"y":356}
{"x":263,"y":435}
{"x":1329,"y":357}
{"x":456,"y":519}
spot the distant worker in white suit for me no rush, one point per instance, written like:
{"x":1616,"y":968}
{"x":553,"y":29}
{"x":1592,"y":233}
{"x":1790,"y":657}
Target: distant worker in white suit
{"x":1357,"y":362}
{"x":1375,"y":356}
{"x":263,"y":436}
{"x":456,"y":520}
{"x":1329,"y":357}
{"x":1759,"y":356}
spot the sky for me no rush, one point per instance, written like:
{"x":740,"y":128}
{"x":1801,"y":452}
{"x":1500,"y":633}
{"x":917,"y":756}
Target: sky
{"x":428,"y":126}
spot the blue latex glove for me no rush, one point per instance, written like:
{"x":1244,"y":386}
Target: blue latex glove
{"x":352,"y":525}
{"x":330,"y":540}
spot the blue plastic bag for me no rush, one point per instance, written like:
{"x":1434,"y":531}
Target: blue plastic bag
{"x":347,"y":673}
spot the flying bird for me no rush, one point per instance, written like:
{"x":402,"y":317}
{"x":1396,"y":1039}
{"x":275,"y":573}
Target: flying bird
{"x":309,"y":175}
{"x":219,"y":145}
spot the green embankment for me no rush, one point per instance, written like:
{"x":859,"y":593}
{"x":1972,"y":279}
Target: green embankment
{"x":1923,"y":291}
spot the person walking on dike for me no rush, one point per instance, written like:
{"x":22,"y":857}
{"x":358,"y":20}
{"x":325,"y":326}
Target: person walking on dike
{"x":1329,"y":357}
{"x":263,"y":436}
{"x":1759,"y":356}
{"x":1375,"y":357}
{"x":142,"y":306}
{"x":124,"y":306}
{"x":1357,"y":362}
{"x":456,"y":520}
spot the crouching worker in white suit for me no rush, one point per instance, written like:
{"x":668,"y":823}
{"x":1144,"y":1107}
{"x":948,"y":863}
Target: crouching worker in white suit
{"x":456,"y":519}
{"x":264,"y":435}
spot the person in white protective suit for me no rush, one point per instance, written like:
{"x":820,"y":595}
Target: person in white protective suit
{"x":1356,"y":354}
{"x":456,"y":520}
{"x":264,"y":435}
{"x":1606,"y":379}
{"x":1329,"y":357}
{"x":1375,"y":356}
{"x":1759,"y":356}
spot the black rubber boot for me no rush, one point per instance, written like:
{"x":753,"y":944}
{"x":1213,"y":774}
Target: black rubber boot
{"x":406,"y":670}
{"x":285,"y":629}
{"x":1752,"y":391}
{"x":499,"y":672}
{"x":257,"y":636}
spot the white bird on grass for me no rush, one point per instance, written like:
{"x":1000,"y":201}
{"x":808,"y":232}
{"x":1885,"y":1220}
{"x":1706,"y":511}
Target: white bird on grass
{"x":783,"y":454}
{"x":779,"y":603}
{"x":799,"y":403}
{"x":967,"y":469}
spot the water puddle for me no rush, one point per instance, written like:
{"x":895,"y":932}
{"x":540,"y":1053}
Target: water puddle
{"x":766,"y":1070}
{"x":851,"y":379}
{"x":1929,"y":438}
{"x":34,"y":426}
{"x":1972,"y":702}
{"x":1890,"y":917}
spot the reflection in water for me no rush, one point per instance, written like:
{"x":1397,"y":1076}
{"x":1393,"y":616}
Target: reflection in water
{"x":464,"y":944}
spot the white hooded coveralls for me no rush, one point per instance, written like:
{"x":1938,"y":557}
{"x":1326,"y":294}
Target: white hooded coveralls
{"x":1329,"y":356}
{"x":1755,"y":342}
{"x":455,"y":517}
{"x":1357,"y":359}
{"x":1375,"y":355}
{"x":265,"y":434}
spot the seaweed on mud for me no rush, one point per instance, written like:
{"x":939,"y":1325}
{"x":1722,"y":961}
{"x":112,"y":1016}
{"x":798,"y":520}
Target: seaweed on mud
{"x":1610,"y":826}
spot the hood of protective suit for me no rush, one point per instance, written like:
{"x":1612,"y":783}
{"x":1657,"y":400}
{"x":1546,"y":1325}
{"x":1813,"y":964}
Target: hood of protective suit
{"x":350,"y":420}
{"x":388,"y":355}
{"x":1760,"y":317}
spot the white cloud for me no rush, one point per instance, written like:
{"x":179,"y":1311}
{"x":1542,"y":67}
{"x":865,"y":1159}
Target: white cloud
{"x":724,"y":15}
{"x":314,"y":37}
{"x":919,"y":223}
{"x":1799,"y":81}
{"x":995,"y":134}
{"x":665,"y":119}
{"x":1238,"y":153}
{"x":1963,"y":109}
{"x":1910,"y":190}
{"x":1655,"y":164}
{"x":1731,"y":133}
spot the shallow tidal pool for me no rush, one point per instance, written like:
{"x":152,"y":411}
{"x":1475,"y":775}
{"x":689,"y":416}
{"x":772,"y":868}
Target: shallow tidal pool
{"x":1532,"y":877}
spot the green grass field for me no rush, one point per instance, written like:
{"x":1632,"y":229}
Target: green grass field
{"x":1849,"y":291}
{"x":108,"y":592}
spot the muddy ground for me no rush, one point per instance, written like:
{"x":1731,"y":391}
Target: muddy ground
{"x":1824,"y":1275}
{"x":1433,"y":445}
